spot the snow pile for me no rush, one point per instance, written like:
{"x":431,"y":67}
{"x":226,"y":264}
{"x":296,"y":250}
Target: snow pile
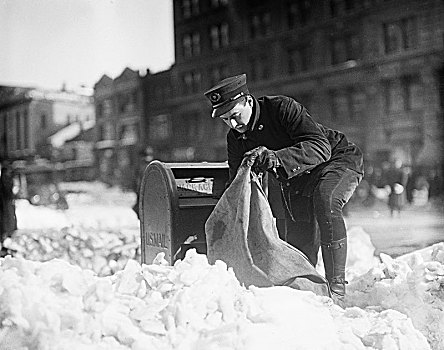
{"x":393,"y":304}
{"x":412,"y":284}
{"x":104,"y":252}
{"x":191,"y":305}
{"x":98,"y":231}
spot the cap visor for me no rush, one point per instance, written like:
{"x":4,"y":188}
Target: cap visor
{"x":217,"y":112}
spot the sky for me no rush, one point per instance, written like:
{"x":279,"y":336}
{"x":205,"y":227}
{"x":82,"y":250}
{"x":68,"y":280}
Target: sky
{"x":48,"y":43}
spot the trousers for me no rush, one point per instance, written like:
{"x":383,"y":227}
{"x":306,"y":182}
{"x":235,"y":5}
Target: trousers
{"x":316,"y":216}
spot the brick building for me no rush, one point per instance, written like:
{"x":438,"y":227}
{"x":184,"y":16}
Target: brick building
{"x":118,"y":104}
{"x":371,"y":68}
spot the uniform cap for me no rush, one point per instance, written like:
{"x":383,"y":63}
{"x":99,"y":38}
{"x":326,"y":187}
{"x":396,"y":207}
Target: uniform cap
{"x":225,"y":94}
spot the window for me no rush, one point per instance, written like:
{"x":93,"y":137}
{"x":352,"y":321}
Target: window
{"x":196,"y":43}
{"x":186,"y":8}
{"x":218,"y":73}
{"x":160,"y":126}
{"x":99,"y":110}
{"x":190,"y":128}
{"x":353,"y":47}
{"x":340,"y":106}
{"x":192,"y":82}
{"x":350,"y":5}
{"x":346,"y":48}
{"x":218,"y":3}
{"x":219,"y":36}
{"x":107,"y":131}
{"x":26,"y":129}
{"x":298,"y":60}
{"x":190,"y":8}
{"x":403,"y":94}
{"x":259,"y":68}
{"x":124,"y":103}
{"x":260,"y":24}
{"x":339,"y":52}
{"x":107,"y":107}
{"x":18,"y":128}
{"x":195,"y":8}
{"x":135,"y":98}
{"x":191,"y":45}
{"x":299,"y":13}
{"x":187,"y":47}
{"x":395,"y":96}
{"x":414,"y":92}
{"x":9,"y":126}
{"x":43,"y":121}
{"x":400,"y":35}
{"x":335,"y":8}
{"x":358,"y":104}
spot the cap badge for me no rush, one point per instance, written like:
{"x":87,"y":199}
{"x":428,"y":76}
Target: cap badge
{"x":215,"y":97}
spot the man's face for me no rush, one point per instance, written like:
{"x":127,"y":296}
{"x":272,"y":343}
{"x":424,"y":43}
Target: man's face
{"x":238,"y":117}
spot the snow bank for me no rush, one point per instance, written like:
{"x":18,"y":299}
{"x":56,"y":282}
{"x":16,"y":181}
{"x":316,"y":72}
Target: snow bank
{"x":104,"y":252}
{"x":191,"y":305}
{"x":412,"y":284}
{"x":55,"y":305}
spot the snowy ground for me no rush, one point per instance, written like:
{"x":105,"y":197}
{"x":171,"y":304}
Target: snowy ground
{"x":75,"y":283}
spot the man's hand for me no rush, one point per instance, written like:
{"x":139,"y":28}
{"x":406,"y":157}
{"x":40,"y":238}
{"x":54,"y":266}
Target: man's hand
{"x":262,"y":159}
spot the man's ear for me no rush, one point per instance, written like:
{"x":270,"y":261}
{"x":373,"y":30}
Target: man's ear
{"x":250,"y":100}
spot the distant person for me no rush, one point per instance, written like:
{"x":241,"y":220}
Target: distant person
{"x":8,"y":220}
{"x":435,"y":182}
{"x":317,"y":167}
{"x":397,"y":180}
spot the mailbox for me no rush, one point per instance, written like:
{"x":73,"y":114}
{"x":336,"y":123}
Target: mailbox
{"x":175,"y":200}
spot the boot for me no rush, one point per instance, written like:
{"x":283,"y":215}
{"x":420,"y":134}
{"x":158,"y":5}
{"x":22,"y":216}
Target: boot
{"x":334,"y":255}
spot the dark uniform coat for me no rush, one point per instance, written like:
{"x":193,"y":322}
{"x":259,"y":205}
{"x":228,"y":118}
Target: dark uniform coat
{"x":305,"y":148}
{"x":302,"y":145}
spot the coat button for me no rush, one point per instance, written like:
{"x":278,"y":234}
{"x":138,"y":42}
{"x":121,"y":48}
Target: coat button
{"x":260,"y":127}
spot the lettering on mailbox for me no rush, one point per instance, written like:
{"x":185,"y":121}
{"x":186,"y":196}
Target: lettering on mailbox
{"x":157,"y":239}
{"x":196,"y":187}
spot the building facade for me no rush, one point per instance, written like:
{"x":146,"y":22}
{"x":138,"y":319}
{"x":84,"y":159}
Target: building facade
{"x":370,"y":68}
{"x":118,"y":104}
{"x":29,"y":116}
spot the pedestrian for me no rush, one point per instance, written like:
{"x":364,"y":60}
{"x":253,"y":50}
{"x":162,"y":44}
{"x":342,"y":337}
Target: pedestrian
{"x":8,"y":220}
{"x":397,"y":180}
{"x":318,"y":168}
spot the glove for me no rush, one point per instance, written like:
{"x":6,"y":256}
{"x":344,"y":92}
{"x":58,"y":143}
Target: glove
{"x":261,"y":159}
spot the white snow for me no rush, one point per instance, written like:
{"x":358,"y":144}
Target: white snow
{"x":75,"y":283}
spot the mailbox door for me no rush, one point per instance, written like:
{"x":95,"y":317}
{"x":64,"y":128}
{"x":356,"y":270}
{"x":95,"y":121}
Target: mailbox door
{"x":158,"y":211}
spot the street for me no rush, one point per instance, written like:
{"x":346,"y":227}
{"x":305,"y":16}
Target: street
{"x":415,"y":228}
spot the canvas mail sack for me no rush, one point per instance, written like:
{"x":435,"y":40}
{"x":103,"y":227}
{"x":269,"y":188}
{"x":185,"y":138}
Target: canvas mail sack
{"x":241,"y":231}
